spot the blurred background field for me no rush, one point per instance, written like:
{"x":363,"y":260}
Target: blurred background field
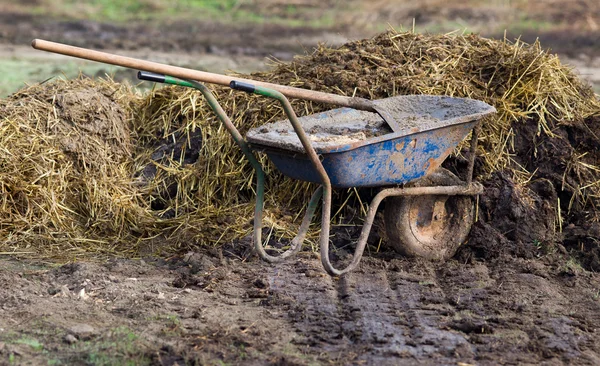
{"x":240,"y":35}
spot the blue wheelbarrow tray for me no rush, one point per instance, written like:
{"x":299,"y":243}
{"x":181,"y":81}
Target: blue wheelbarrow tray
{"x":358,"y":149}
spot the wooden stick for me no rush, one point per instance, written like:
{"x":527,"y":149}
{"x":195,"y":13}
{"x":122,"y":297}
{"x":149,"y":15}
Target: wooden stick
{"x":189,"y":74}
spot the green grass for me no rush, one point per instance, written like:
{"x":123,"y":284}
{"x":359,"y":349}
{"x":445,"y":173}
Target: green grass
{"x":530,"y":25}
{"x":35,"y":346}
{"x":43,"y":344}
{"x":228,"y":11}
{"x":572,"y":265}
{"x":125,"y":10}
{"x":32,"y":342}
{"x":120,"y":346}
{"x":18,"y":73}
{"x":172,"y":324}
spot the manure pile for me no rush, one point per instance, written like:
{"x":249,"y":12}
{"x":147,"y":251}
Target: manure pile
{"x":91,"y":167}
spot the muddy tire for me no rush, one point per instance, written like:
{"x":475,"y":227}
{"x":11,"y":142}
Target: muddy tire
{"x":431,"y":226}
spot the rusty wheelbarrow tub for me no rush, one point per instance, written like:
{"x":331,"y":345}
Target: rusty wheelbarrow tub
{"x":397,"y":144}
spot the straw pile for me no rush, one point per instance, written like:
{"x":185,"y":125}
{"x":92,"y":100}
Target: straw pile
{"x":65,"y":173}
{"x":179,"y":176}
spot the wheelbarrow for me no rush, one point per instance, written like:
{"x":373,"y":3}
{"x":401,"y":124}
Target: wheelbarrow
{"x":397,"y":144}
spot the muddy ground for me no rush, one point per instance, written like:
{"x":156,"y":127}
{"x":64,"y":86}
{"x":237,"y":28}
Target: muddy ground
{"x":218,"y":306}
{"x":215,"y":308}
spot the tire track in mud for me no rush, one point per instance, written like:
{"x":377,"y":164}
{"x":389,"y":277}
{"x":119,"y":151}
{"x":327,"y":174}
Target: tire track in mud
{"x":403,"y":316}
{"x":376,"y":319}
{"x":520,"y":313}
{"x":371,"y":315}
{"x":310,"y":298}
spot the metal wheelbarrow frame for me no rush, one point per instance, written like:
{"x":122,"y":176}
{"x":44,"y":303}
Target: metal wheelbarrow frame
{"x":469,"y":188}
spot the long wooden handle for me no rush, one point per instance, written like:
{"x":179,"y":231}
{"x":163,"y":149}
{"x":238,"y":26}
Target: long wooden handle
{"x":207,"y":77}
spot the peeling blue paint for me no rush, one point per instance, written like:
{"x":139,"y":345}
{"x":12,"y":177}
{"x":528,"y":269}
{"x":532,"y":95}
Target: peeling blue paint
{"x":382,"y":163}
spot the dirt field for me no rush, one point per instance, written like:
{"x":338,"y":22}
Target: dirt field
{"x":220,"y":306}
{"x":214,"y":308}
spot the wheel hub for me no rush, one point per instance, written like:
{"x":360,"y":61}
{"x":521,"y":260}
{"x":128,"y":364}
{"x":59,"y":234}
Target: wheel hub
{"x":429,"y":219}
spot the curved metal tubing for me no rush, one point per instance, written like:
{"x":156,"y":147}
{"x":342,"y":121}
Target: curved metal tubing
{"x":473,"y":151}
{"x":296,"y":243}
{"x":470,"y":189}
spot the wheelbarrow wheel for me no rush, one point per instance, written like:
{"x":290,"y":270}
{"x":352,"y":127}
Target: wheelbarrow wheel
{"x":430,"y":226}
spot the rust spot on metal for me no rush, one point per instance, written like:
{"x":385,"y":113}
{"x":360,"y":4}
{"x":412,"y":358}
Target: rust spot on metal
{"x":400,"y":146}
{"x":433,"y":163}
{"x":398,"y":159}
{"x":349,"y":158}
{"x":428,"y":165}
{"x":413,"y":143}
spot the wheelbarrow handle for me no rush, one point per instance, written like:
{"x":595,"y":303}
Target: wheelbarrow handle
{"x":238,"y":85}
{"x":150,"y":76}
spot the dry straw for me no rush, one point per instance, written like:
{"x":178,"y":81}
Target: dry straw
{"x":137,"y":178}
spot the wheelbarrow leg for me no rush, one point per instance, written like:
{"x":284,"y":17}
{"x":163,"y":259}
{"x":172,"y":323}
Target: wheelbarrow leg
{"x":472,"y":152}
{"x":296,"y":243}
{"x":362,"y":240}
